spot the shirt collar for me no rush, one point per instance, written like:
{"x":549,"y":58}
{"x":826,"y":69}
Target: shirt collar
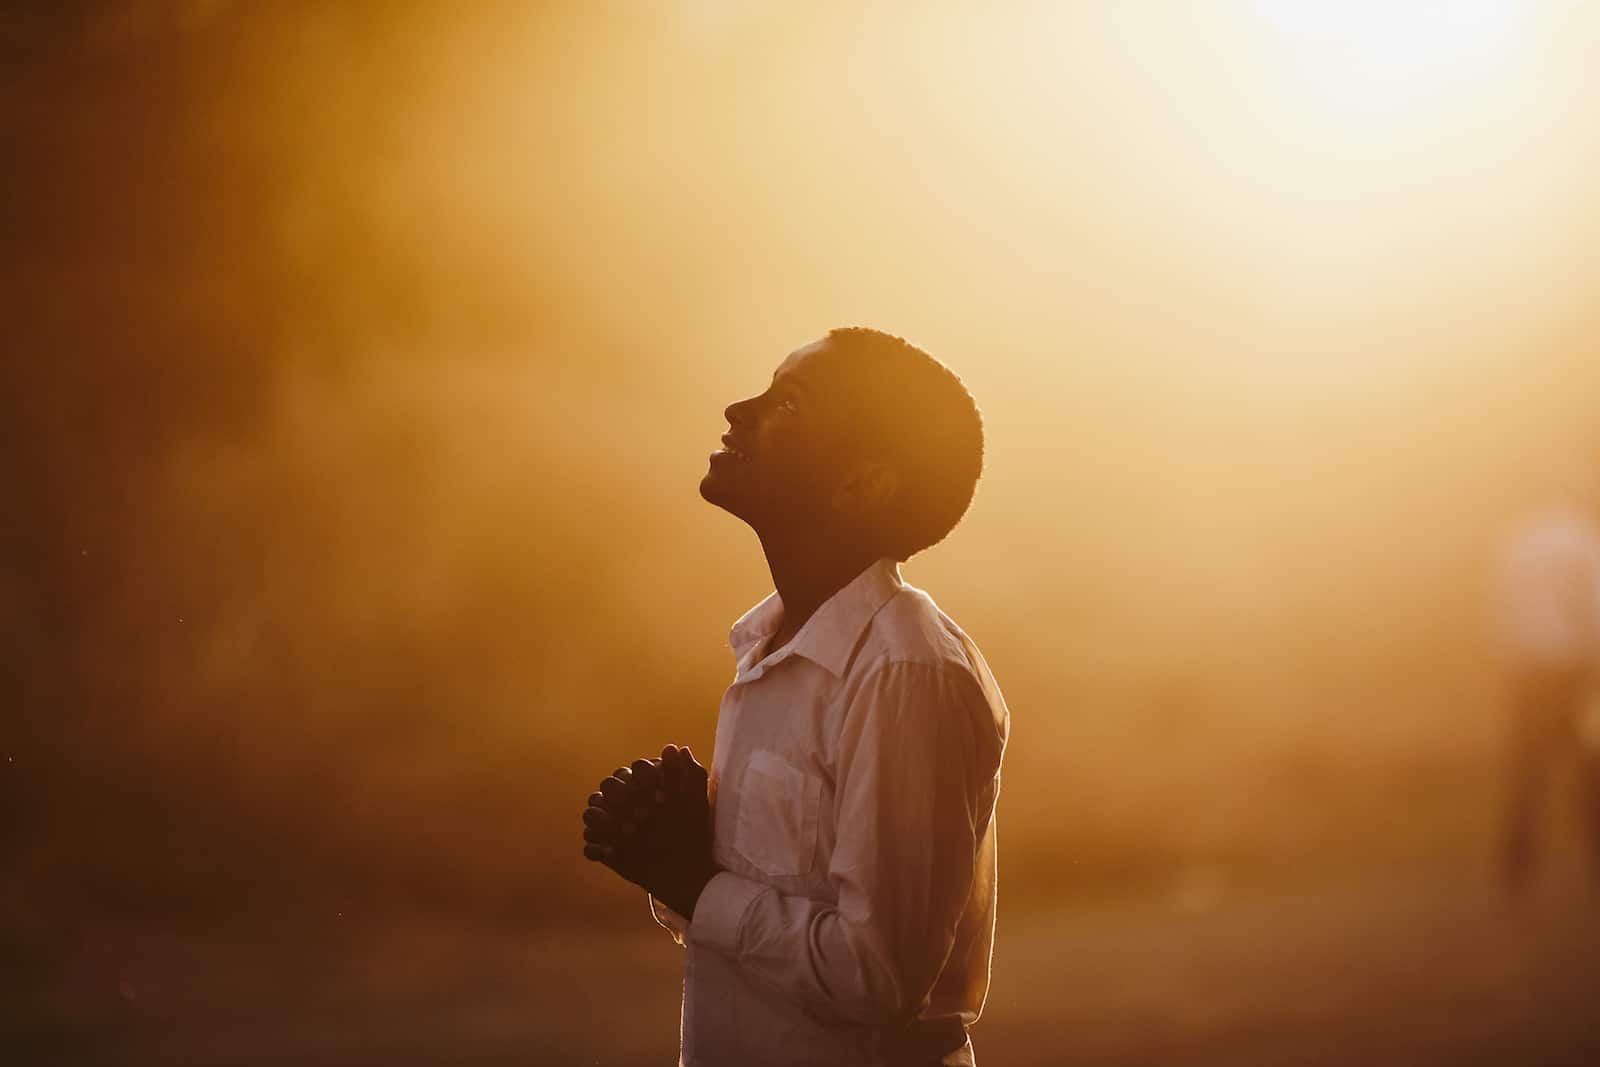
{"x":830,"y":635}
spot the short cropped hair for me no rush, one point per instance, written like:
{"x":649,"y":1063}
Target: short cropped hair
{"x":917,"y":414}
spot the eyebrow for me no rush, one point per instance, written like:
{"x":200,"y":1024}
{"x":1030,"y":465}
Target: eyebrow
{"x":790,"y":381}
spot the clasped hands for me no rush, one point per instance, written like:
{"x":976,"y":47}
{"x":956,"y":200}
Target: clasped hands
{"x":651,"y":823}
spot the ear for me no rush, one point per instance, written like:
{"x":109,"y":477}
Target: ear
{"x":869,"y":486}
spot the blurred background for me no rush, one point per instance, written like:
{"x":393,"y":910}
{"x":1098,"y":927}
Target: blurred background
{"x":363,"y":360}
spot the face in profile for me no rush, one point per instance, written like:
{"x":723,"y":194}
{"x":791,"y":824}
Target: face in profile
{"x":785,"y":452}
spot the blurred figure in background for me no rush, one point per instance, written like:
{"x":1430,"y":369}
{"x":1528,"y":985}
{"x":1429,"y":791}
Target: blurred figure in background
{"x":1550,"y":607}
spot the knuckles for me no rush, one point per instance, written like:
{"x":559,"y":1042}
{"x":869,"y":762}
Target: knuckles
{"x":619,"y":819}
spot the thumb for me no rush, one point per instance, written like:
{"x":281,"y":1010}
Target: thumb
{"x":693,"y":768}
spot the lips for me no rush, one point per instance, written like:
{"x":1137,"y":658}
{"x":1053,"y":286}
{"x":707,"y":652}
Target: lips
{"x":732,"y":448}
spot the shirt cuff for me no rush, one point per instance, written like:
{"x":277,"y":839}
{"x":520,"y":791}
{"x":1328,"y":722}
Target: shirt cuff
{"x":667,"y":919}
{"x":719,"y":912}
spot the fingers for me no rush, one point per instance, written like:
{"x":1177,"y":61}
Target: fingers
{"x":634,"y":812}
{"x":692,"y":768}
{"x":681,"y":772}
{"x":632,"y":794}
{"x":614,"y":793}
{"x":603,"y":833}
{"x":625,"y":800}
{"x":604,"y":827}
{"x":671,"y":770}
{"x":644,"y":790}
{"x":647,"y":785}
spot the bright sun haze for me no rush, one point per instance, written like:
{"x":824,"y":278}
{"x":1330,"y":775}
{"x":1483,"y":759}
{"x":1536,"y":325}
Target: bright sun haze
{"x":369,"y":357}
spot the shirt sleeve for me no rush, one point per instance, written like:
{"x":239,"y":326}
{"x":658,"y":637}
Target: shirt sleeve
{"x":916,"y":778}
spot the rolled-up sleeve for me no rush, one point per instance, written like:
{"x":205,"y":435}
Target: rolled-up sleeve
{"x":918,"y":754}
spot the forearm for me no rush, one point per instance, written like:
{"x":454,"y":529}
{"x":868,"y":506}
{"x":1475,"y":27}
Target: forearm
{"x":839,"y":963}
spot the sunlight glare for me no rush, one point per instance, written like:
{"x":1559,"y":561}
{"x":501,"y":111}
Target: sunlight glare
{"x":1379,"y":54}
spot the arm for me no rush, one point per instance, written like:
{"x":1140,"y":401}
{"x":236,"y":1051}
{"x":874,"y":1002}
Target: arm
{"x":918,"y":755}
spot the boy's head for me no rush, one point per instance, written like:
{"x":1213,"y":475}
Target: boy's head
{"x":861,"y":437}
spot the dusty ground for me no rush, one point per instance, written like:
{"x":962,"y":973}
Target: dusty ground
{"x":1409,"y":968}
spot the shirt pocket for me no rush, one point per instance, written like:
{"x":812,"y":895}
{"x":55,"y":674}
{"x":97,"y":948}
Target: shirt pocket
{"x":777,"y":826}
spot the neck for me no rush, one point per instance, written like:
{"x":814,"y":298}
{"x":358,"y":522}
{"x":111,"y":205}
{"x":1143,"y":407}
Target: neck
{"x":807,"y":570}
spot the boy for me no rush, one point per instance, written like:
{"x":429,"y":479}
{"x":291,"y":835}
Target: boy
{"x":833,"y":875}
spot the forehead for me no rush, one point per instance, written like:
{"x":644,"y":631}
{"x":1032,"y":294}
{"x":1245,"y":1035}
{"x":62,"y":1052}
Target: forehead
{"x":800,"y":365}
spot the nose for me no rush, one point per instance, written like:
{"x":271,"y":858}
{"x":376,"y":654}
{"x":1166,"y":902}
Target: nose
{"x":736,"y":411}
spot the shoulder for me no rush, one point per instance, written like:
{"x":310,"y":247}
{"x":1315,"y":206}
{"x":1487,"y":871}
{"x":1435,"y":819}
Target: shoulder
{"x":910,"y":629}
{"x":910,"y":640}
{"x":915,"y":664}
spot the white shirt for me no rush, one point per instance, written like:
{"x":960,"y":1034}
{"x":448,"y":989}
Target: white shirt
{"x":1551,"y":589}
{"x":853,"y":788}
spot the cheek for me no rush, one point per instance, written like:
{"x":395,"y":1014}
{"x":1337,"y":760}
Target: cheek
{"x":797,"y":460}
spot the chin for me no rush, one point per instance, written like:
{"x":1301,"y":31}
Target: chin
{"x":712,"y":491}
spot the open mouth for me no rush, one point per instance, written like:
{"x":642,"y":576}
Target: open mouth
{"x":731,"y":450}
